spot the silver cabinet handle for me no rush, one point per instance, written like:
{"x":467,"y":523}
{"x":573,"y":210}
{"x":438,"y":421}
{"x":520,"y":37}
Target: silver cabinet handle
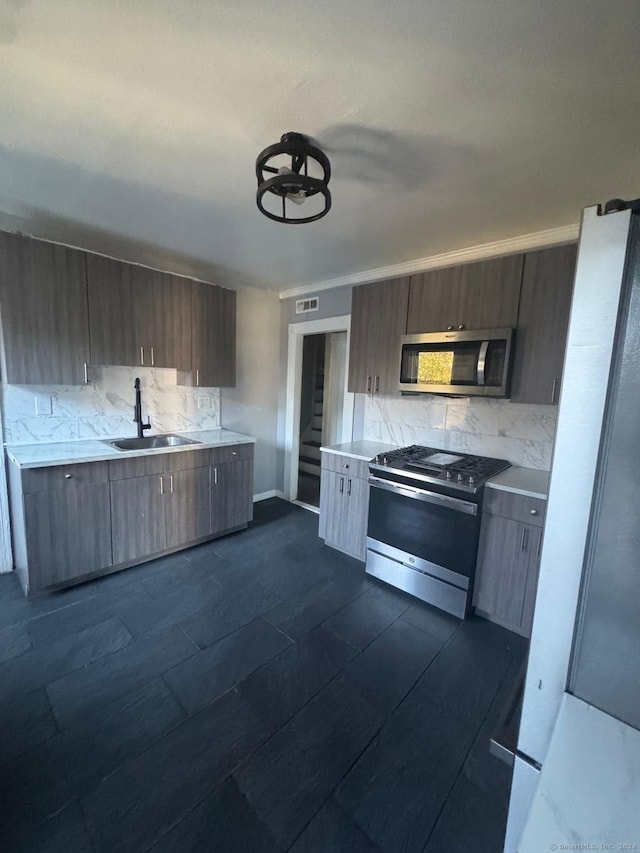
{"x":153,"y":361}
{"x":171,"y":483}
{"x":86,"y":373}
{"x":368,"y":384}
{"x":162,"y":485}
{"x":346,"y":465}
{"x":523,"y":539}
{"x":533,"y":512}
{"x":460,"y":327}
{"x":349,"y":487}
{"x":449,"y":328}
{"x":215,"y":476}
{"x":539,"y":547}
{"x":68,"y":476}
{"x":197,"y":377}
{"x":341,"y":485}
{"x":553,"y":390}
{"x":142,"y":355}
{"x":377,"y":384}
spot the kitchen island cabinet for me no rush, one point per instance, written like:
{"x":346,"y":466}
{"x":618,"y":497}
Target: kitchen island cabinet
{"x":508,"y":559}
{"x":43,"y":302}
{"x":378,"y":319}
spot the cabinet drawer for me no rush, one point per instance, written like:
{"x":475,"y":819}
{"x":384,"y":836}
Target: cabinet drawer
{"x":63,"y":476}
{"x":187,"y":459}
{"x":345,"y":465}
{"x":231,"y":453}
{"x":518,"y":507}
{"x":138,"y":466}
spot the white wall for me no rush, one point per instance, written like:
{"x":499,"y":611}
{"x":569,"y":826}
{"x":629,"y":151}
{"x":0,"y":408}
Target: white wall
{"x":252,"y":406}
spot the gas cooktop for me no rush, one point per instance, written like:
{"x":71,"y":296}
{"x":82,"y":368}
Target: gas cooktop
{"x":455,"y":470}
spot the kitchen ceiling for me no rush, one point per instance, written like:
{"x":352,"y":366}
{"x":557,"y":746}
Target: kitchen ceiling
{"x":132,"y":127}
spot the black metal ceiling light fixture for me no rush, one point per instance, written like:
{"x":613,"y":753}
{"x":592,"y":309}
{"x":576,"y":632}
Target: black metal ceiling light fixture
{"x":293,"y":170}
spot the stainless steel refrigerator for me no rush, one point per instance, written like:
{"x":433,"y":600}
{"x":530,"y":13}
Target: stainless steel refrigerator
{"x":585,"y":642}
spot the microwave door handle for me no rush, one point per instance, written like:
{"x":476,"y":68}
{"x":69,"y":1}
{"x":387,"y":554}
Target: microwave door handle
{"x":482,"y":361}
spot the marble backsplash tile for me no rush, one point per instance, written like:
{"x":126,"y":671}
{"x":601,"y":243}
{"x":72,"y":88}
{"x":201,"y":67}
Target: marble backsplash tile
{"x":523,"y":434}
{"x":104,"y":408}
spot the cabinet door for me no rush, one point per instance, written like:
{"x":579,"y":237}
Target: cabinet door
{"x":434,"y":299}
{"x":501,"y":577}
{"x":188,"y":505}
{"x":43,"y":297}
{"x":113,"y":311}
{"x":138,"y":517}
{"x":68,"y":533}
{"x":360,"y":378}
{"x":489,"y":293}
{"x":332,"y":507}
{"x":231,"y":495}
{"x":163,"y":304}
{"x":355,"y":524}
{"x":532,"y":581}
{"x":547,"y":285}
{"x":213,"y":347}
{"x":378,"y":320}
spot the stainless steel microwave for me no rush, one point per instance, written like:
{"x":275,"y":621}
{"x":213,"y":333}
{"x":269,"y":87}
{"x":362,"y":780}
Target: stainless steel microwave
{"x":468,"y":363}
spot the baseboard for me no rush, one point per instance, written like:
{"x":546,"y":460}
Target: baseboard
{"x":263,"y":496}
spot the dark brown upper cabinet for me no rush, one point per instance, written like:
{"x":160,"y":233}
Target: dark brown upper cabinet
{"x":378,"y":320}
{"x":43,"y":299}
{"x":545,"y":303}
{"x":482,"y":295}
{"x":213,"y":338}
{"x":138,"y":316}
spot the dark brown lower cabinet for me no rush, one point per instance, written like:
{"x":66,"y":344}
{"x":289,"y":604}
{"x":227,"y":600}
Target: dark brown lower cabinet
{"x":231,"y":495}
{"x":187,"y":506}
{"x":66,"y":532}
{"x":508,"y":562}
{"x":137,"y":518}
{"x":60,"y":523}
{"x":71,"y":522}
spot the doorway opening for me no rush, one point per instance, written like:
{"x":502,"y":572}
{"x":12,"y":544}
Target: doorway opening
{"x":319,"y":409}
{"x":324,"y":361}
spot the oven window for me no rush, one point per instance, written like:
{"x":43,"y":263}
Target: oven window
{"x":432,"y":532}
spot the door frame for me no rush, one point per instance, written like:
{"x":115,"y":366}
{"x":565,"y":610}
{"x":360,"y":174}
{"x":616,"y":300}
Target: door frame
{"x":297,"y":332}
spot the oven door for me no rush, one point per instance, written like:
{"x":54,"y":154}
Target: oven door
{"x":433,"y":533}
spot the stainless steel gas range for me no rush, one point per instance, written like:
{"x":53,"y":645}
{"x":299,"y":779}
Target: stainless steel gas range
{"x":424,"y":522}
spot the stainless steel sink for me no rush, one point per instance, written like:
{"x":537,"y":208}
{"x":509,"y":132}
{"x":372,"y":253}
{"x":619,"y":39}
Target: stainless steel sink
{"x":150,"y":442}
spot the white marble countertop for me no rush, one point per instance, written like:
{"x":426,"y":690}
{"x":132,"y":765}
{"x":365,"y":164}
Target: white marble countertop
{"x":522,"y":481}
{"x":364,"y":450}
{"x":91,"y":450}
{"x":589,"y":788}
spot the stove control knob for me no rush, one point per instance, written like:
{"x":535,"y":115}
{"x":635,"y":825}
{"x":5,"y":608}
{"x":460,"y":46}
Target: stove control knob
{"x":460,"y":477}
{"x":472,"y":479}
{"x":448,"y":474}
{"x":384,"y":460}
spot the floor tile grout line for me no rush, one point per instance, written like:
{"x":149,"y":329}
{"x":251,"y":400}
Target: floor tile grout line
{"x":468,"y":753}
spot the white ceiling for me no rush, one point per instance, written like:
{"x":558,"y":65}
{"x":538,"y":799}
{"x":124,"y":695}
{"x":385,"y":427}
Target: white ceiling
{"x":131,"y":127}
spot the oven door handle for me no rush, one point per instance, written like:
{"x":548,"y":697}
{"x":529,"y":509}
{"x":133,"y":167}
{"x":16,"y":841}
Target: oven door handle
{"x":421,"y":495}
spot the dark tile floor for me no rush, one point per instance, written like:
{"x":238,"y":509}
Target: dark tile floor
{"x":258,"y":693}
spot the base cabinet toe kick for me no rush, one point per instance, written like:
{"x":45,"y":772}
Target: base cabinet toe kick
{"x":72,"y":523}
